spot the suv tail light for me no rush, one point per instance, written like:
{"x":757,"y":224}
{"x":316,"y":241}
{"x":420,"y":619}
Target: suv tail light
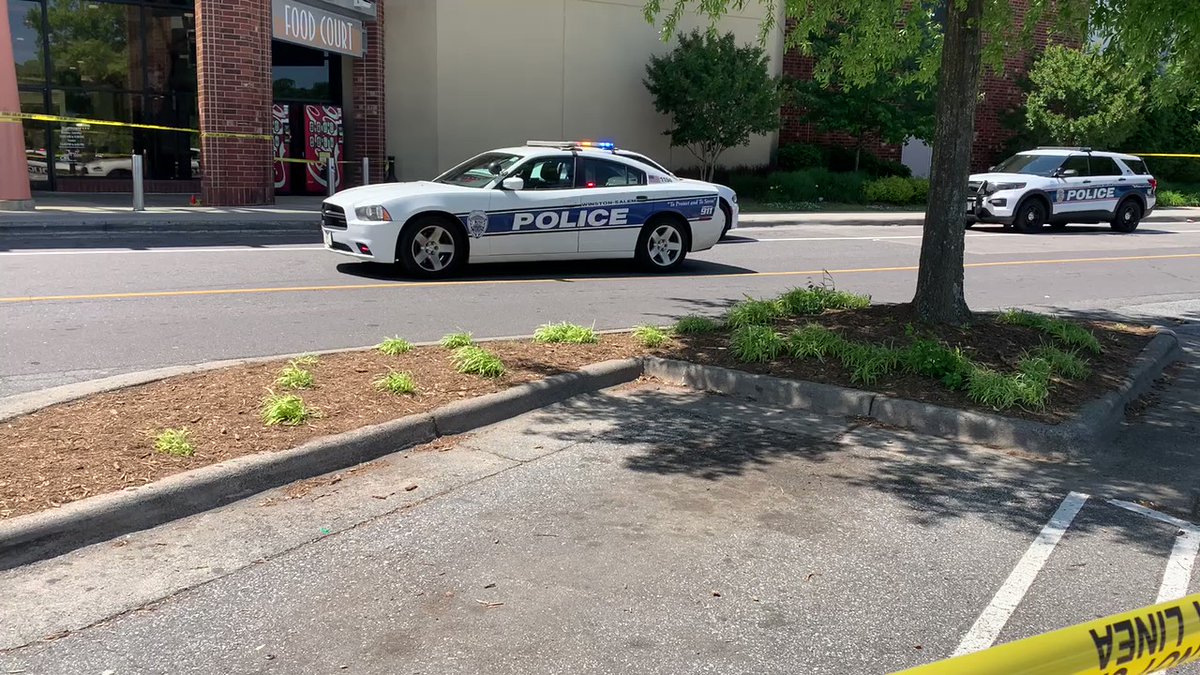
{"x":1154,"y":185}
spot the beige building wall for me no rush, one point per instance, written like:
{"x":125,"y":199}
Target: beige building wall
{"x":465,"y":76}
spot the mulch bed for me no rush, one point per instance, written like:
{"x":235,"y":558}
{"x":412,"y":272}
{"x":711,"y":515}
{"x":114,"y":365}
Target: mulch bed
{"x":104,"y":443}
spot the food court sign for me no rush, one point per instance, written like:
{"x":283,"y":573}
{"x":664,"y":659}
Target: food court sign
{"x":317,"y":28}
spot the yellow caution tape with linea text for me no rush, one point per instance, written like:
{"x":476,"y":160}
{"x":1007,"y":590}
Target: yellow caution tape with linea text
{"x":6,"y":116}
{"x":1147,"y":640}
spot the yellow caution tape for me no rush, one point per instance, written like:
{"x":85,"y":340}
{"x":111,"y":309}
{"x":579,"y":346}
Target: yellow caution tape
{"x":6,"y":116}
{"x":1163,"y":154}
{"x":1147,"y":640}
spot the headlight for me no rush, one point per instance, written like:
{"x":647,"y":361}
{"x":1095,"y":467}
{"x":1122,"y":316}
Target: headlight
{"x":374,"y":212}
{"x":734,"y":197}
{"x":997,"y":187}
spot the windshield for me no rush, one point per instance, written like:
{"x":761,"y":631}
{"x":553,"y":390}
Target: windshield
{"x":478,"y":171}
{"x":1034,"y":165}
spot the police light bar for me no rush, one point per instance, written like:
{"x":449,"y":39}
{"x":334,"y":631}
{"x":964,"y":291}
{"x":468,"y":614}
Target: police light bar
{"x":572,"y":145}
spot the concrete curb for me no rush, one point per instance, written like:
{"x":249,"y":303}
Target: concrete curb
{"x":1086,"y":434}
{"x":47,"y":534}
{"x":901,"y":218}
{"x":163,"y":225}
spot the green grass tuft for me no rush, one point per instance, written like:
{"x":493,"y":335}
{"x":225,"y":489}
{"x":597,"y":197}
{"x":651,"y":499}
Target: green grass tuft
{"x":456,"y":340}
{"x":650,"y":336}
{"x":930,"y":358}
{"x":394,"y":346}
{"x":817,"y":299}
{"x":756,"y":344}
{"x":1007,"y":390}
{"x":751,"y":312}
{"x":286,"y":409}
{"x":866,"y":363}
{"x":1068,"y":364}
{"x":475,"y":360}
{"x":694,"y":324}
{"x":813,"y":341}
{"x":294,"y":377}
{"x":568,"y":333}
{"x":1069,"y":334}
{"x":175,"y":442}
{"x":306,"y":360}
{"x":395,"y":382}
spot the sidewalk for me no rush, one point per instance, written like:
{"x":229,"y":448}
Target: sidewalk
{"x":92,"y":214}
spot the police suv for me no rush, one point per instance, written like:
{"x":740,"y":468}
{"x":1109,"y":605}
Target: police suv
{"x":1057,"y":186}
{"x":546,"y":200}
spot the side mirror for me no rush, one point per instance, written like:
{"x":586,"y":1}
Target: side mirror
{"x":991,"y":169}
{"x":513,"y":183}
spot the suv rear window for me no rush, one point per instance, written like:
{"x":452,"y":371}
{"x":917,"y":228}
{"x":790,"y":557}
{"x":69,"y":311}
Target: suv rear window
{"x":1137,"y":166}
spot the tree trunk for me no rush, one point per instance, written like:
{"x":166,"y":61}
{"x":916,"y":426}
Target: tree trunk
{"x":857,"y":154}
{"x":940,"y":297}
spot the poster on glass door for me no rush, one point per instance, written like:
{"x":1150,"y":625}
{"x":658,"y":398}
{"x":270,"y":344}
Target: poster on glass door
{"x":281,"y":132}
{"x":322,"y":144}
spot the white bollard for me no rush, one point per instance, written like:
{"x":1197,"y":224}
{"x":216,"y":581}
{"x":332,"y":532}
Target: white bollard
{"x":330,"y":168}
{"x":139,"y":195}
{"x":366,"y":171}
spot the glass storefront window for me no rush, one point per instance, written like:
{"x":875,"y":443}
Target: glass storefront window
{"x":94,"y":44}
{"x":170,"y":49}
{"x":303,"y":74}
{"x":94,"y":150}
{"x":25,"y":21}
{"x":35,"y":141}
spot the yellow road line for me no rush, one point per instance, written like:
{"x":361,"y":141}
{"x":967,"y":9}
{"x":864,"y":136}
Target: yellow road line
{"x":500,"y":282}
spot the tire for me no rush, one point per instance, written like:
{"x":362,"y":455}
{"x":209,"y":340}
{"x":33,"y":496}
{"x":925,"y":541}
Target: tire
{"x":431,"y":248}
{"x":663,"y":245}
{"x":1031,"y":217}
{"x":728,"y":218}
{"x":1127,"y":217}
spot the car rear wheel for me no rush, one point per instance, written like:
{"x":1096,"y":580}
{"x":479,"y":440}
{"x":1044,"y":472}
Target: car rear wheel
{"x":1128,"y":215}
{"x":728,"y":212}
{"x":431,"y":248}
{"x":1031,"y":217}
{"x":662,"y":245}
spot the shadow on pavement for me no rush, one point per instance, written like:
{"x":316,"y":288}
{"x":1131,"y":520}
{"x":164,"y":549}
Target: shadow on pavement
{"x":142,"y":241}
{"x":563,"y":271}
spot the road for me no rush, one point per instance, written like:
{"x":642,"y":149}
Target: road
{"x":649,"y":530}
{"x":78,"y":309}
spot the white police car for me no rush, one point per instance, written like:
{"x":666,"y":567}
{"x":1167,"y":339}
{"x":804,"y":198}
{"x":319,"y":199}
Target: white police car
{"x":1057,"y":186}
{"x":546,"y":200}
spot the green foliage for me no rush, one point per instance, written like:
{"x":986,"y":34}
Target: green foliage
{"x":394,"y":346}
{"x":933,"y":359}
{"x":1179,"y":195}
{"x":650,"y":336}
{"x":813,"y":341}
{"x":816,"y":299}
{"x":920,"y":190}
{"x":175,"y":442}
{"x":475,"y":360}
{"x":866,"y":363}
{"x":756,"y":344}
{"x":1070,"y":334}
{"x":716,"y":93}
{"x":566,"y":332}
{"x":1173,"y":127}
{"x":795,"y":156}
{"x":286,"y":409}
{"x":306,"y":360}
{"x":750,"y":186}
{"x":751,"y":312}
{"x":395,"y":382}
{"x":1068,"y":364}
{"x":456,"y":340}
{"x":1083,"y":97}
{"x":1006,"y":390}
{"x":892,"y":190}
{"x":694,"y":324}
{"x":817,"y":185}
{"x":294,"y":377}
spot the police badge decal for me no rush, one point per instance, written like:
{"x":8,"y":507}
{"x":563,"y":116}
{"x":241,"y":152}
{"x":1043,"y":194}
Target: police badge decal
{"x":1061,"y":195}
{"x":477,"y":222}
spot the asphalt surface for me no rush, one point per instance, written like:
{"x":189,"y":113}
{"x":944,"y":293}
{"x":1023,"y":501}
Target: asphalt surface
{"x":648,"y":530}
{"x":79,"y":308}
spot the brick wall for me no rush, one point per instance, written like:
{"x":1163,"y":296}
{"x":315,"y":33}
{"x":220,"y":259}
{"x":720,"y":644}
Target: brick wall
{"x":233,"y":57}
{"x":368,"y":123}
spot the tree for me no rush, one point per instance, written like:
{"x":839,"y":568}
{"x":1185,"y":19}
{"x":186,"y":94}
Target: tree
{"x":717,"y":95}
{"x":893,"y":107}
{"x":1083,"y":97}
{"x":880,"y":34}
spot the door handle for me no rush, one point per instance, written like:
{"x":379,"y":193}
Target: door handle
{"x":642,"y":198}
{"x":1120,"y":180}
{"x":1086,"y":182}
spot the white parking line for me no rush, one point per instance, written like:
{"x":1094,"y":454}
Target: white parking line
{"x":989,"y":624}
{"x":230,"y":249}
{"x":1178,"y":575}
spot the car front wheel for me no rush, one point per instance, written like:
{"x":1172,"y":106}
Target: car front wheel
{"x":431,"y":248}
{"x":662,"y":245}
{"x":1031,"y":217}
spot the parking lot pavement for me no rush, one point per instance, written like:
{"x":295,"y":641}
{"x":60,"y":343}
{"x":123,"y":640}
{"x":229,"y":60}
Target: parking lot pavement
{"x":645,"y":530}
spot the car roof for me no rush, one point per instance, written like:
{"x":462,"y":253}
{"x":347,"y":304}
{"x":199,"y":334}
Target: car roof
{"x":1063,"y":152}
